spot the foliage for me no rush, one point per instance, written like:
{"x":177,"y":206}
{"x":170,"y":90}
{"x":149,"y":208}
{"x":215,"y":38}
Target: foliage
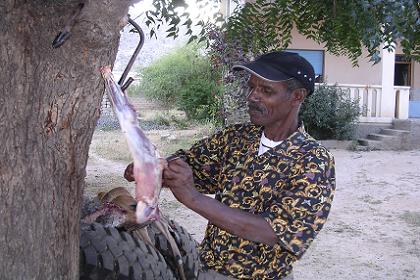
{"x":185,"y":79}
{"x":197,"y":98}
{"x":161,"y":120}
{"x":168,"y":13}
{"x":134,"y":90}
{"x":344,"y":27}
{"x":178,"y":122}
{"x":329,"y":114}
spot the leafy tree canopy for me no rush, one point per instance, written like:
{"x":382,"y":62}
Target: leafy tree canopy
{"x":345,"y":27}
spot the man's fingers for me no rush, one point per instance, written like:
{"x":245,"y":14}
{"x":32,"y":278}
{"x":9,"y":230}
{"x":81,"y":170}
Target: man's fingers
{"x":178,"y":166}
{"x":168,"y":174}
{"x":163,"y":163}
{"x":177,"y":175}
{"x":170,"y":182}
{"x":128,"y":173}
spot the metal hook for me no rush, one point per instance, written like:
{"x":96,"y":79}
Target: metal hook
{"x":127,"y":69}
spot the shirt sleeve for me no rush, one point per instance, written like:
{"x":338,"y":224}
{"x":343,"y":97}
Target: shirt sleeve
{"x":301,"y":204}
{"x":204,"y":158}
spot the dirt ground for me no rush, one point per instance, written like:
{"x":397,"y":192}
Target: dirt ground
{"x":373,"y":231}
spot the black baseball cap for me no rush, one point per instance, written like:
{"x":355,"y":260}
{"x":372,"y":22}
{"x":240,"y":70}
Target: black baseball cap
{"x":281,"y":66}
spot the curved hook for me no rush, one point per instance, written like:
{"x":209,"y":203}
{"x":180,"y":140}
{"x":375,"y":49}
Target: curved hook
{"x":127,"y":69}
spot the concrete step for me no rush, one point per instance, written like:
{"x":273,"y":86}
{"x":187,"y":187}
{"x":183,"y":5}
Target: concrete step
{"x":401,"y":124}
{"x":360,"y":148}
{"x":372,"y":144}
{"x":380,"y":137}
{"x":404,"y":135}
{"x":395,"y":132}
{"x":410,"y":140}
{"x":385,"y":142}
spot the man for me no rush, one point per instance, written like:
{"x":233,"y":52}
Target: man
{"x":273,"y":183}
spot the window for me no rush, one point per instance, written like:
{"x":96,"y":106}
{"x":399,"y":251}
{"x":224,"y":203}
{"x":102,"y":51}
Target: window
{"x":316,"y":58}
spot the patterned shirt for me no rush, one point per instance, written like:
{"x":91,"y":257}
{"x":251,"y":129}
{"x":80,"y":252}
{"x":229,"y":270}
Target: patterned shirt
{"x":291,"y":186}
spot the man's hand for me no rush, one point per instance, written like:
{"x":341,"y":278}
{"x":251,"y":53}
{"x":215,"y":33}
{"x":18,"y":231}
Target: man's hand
{"x":129,"y":170}
{"x":128,"y":173}
{"x":178,"y":177}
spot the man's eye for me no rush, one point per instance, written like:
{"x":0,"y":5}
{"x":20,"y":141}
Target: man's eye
{"x":267,"y":90}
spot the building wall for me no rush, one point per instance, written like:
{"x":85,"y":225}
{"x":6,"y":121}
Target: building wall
{"x":338,"y":69}
{"x":415,"y":82}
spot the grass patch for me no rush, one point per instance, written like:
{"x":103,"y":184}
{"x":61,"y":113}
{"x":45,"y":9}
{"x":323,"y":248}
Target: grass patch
{"x":162,"y":120}
{"x":170,"y":119}
{"x":110,"y":145}
{"x":412,"y":218}
{"x":185,"y":142}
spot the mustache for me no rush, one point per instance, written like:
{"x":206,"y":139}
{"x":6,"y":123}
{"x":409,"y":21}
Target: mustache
{"x":255,"y":106}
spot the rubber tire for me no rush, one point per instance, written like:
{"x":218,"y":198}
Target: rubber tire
{"x":187,"y":246}
{"x":106,"y":253}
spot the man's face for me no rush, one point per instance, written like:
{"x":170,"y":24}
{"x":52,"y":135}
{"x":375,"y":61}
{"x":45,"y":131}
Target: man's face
{"x":268,"y":102}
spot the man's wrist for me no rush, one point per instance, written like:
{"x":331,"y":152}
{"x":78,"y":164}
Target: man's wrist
{"x":196,"y":200}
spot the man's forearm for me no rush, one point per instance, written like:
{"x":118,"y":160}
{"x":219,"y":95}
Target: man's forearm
{"x":178,"y":177}
{"x":235,"y":221}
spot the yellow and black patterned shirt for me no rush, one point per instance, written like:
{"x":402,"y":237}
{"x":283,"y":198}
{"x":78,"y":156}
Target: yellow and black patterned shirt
{"x":291,"y":186}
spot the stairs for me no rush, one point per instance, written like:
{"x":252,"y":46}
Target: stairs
{"x":386,"y":139}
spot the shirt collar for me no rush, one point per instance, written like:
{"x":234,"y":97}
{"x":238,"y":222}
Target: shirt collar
{"x":268,"y":142}
{"x":290,"y":144}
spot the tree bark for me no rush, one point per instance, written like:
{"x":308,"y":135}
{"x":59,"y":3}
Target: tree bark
{"x":49,"y":104}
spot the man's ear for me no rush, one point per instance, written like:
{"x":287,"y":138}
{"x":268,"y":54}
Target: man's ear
{"x":299,"y":95}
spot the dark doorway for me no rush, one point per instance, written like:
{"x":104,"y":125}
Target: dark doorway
{"x":402,"y":73}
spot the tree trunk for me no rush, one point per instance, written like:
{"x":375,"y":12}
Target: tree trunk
{"x":49,"y":104}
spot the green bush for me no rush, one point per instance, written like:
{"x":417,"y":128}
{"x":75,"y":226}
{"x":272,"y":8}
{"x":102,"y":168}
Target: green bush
{"x":185,"y":79}
{"x":329,"y":114}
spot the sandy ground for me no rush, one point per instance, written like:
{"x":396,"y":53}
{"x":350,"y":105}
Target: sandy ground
{"x":373,"y":231}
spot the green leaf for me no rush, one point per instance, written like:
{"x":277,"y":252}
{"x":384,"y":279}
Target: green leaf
{"x":192,"y":38}
{"x":152,"y":33}
{"x":171,"y":30}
